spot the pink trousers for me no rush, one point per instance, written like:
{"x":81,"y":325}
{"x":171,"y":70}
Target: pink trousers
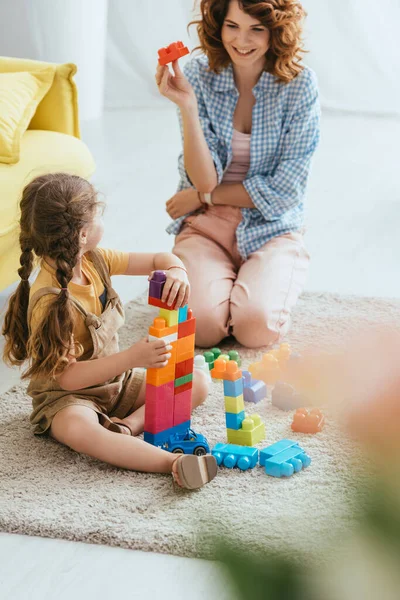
{"x":251,"y":300}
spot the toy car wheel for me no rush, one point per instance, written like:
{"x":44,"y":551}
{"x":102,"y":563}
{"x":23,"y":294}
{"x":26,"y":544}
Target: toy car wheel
{"x":199,"y":451}
{"x":177,"y":451}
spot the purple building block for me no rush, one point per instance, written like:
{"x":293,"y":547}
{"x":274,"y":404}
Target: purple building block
{"x":156,"y":284}
{"x":253,"y":390}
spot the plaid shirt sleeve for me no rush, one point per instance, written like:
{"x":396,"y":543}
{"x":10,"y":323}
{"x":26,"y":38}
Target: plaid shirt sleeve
{"x":191,"y":72}
{"x":275,"y":194}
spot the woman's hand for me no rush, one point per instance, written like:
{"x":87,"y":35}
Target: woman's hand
{"x":176,"y":287}
{"x":175,"y":87}
{"x":182,"y":203}
{"x":150,"y":355}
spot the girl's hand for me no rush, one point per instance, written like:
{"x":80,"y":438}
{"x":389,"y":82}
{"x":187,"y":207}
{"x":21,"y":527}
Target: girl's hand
{"x":182,"y":203}
{"x":176,"y":286}
{"x":175,"y":87}
{"x":150,"y":355}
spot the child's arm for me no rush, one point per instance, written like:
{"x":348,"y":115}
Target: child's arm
{"x":86,"y":373}
{"x":177,"y":284}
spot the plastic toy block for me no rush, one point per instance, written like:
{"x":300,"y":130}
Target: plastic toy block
{"x":234,"y":420}
{"x":233,"y":388}
{"x":216,"y":352}
{"x":159,"y":407}
{"x":185,"y":348}
{"x":234,"y":355}
{"x":172,"y":52}
{"x":209,"y":358}
{"x":160,"y":303}
{"x":200,"y":364}
{"x":160,"y":376}
{"x":170,"y":316}
{"x":283,"y":459}
{"x":251,"y":433}
{"x":160,"y":329}
{"x":184,"y":388}
{"x":183,"y":380}
{"x":224,"y":357}
{"x":254,"y":390}
{"x":266,"y":370}
{"x":182,"y":407}
{"x":285,"y":397}
{"x":157,"y":284}
{"x":159,"y":439}
{"x":188,"y":327}
{"x":168,"y":339}
{"x":232,"y":455}
{"x":228,"y":371}
{"x":234,"y":404}
{"x":183,"y":313}
{"x":308,"y":422}
{"x":184,"y":368}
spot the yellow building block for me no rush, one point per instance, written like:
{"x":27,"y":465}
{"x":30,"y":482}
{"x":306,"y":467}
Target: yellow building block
{"x":234,"y":404}
{"x":171,"y":316}
{"x":252,"y":432}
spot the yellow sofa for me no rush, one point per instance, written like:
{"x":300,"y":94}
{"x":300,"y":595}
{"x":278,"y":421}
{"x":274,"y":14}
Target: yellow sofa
{"x":50,"y":144}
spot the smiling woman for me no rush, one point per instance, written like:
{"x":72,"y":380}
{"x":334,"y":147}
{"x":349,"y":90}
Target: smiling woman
{"x":249,"y":115}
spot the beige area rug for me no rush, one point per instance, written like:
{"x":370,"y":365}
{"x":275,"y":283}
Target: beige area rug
{"x":48,"y":490}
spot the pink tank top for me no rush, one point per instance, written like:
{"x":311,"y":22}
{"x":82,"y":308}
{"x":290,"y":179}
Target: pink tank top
{"x":240,"y":164}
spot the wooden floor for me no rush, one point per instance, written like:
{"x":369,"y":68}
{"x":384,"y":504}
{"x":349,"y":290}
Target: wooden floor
{"x":353,"y":216}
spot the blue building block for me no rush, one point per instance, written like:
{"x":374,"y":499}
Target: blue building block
{"x":234,"y":420}
{"x":283,"y":459}
{"x":182,"y":313}
{"x":254,"y":390}
{"x":159,"y":439}
{"x":232,"y":455}
{"x":233,"y":388}
{"x":285,"y":397}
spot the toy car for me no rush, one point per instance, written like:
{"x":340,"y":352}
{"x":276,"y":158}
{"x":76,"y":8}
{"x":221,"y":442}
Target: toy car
{"x":189,"y":442}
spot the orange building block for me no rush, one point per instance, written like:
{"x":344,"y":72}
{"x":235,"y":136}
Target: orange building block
{"x":159,"y":328}
{"x":185,"y":348}
{"x":226,"y":370}
{"x":308,"y":422}
{"x":172,"y":52}
{"x":267,"y":369}
{"x":160,"y":376}
{"x":219,"y":369}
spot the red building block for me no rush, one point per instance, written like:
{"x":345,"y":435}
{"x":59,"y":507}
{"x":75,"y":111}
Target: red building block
{"x":188,"y":327}
{"x":182,"y":407}
{"x":160,"y":304}
{"x":308,"y":422}
{"x":172,"y":52}
{"x":159,"y":407}
{"x":184,"y":388}
{"x":184,"y":368}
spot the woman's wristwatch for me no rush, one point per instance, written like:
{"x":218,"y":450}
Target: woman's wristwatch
{"x":205,"y":198}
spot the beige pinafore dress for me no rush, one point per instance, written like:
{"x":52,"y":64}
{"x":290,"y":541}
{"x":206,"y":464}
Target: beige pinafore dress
{"x":114,"y":398}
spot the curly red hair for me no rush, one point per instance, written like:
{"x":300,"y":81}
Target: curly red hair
{"x":283,"y":19}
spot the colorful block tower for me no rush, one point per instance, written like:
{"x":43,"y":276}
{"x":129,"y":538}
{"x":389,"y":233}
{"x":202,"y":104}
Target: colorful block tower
{"x":169,"y":389}
{"x":240,"y":428}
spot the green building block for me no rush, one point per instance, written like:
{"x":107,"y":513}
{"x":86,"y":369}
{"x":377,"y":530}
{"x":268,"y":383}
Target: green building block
{"x":234,"y":355}
{"x":209,"y":356}
{"x":183,"y":380}
{"x":216,"y":352}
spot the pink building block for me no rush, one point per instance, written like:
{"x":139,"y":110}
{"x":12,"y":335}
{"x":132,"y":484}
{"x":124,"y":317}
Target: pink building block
{"x":182,"y":407}
{"x":159,"y":407}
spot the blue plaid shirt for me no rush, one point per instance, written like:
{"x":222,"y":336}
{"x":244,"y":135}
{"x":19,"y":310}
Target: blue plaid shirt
{"x":285,"y":134}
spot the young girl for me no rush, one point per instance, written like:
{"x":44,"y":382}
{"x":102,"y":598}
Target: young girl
{"x":85,"y":392}
{"x":249,"y":117}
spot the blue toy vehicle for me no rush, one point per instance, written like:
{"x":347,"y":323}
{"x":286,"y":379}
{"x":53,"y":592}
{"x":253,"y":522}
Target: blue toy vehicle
{"x":188,"y":442}
{"x":233,"y":455}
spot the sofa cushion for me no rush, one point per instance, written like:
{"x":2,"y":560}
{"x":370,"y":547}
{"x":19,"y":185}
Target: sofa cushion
{"x":20,"y":94}
{"x":41,"y":152}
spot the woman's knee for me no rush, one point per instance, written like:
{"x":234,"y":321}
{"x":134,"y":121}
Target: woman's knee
{"x":259,"y":326}
{"x":201,"y":388}
{"x":211,"y":323}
